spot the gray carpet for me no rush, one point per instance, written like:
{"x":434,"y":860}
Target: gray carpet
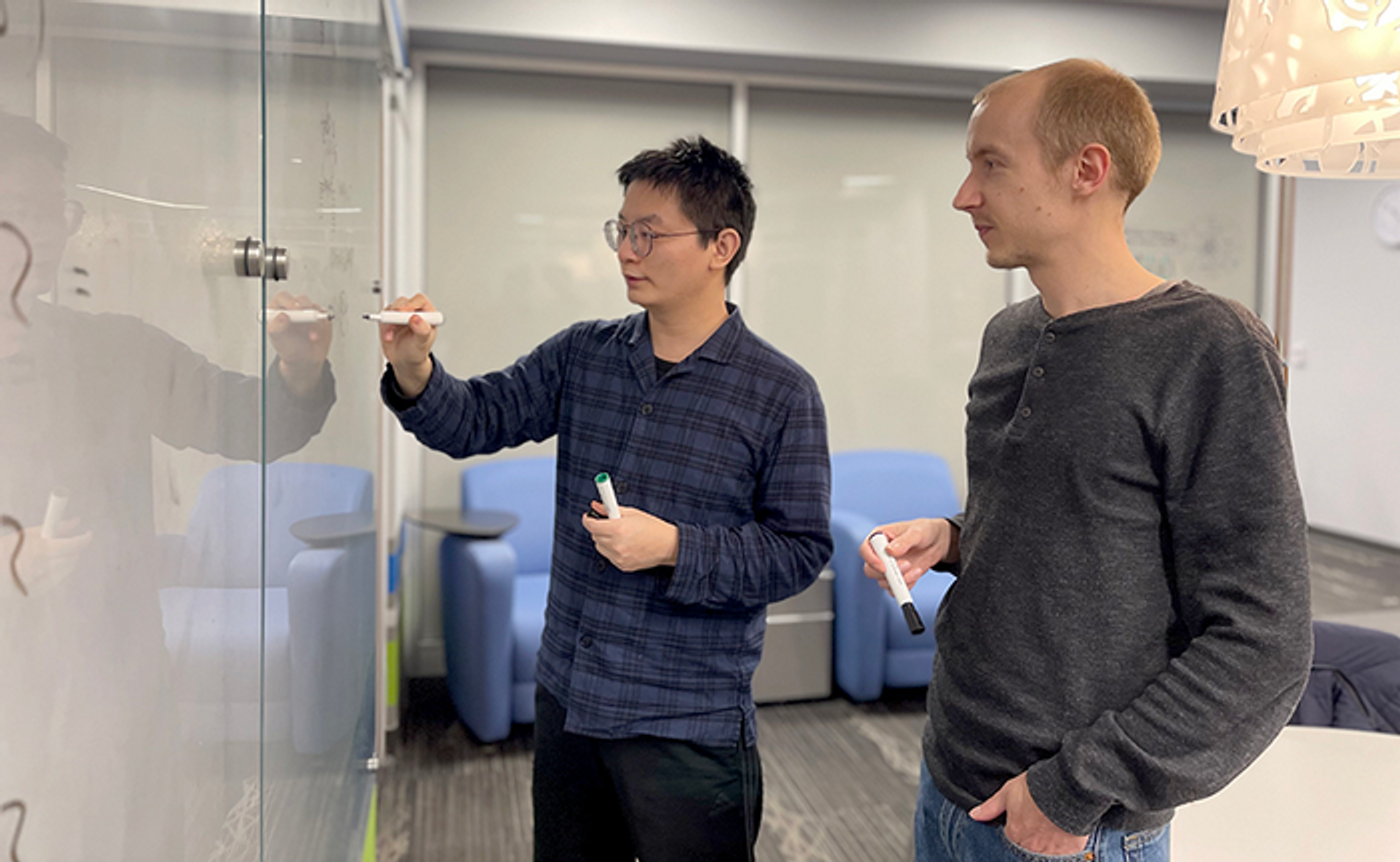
{"x":839,"y":784}
{"x":1355,"y":582}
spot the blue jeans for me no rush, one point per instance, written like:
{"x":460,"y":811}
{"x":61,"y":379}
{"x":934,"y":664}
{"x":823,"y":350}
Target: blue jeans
{"x":943,"y":832}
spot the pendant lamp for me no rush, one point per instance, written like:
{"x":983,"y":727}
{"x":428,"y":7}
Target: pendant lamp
{"x":1312,"y":87}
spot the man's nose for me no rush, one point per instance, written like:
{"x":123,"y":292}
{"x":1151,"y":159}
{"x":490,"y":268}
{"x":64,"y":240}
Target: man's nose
{"x":967,"y":196}
{"x":625,"y":252}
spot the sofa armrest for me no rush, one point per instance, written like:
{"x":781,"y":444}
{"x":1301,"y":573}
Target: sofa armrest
{"x":330,"y":609}
{"x":478,"y":578}
{"x":858,"y":637}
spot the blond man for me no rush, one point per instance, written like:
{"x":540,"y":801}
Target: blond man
{"x":1129,"y":627}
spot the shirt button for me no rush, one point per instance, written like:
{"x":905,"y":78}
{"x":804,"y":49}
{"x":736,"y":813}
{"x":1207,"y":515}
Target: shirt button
{"x":1025,"y":412}
{"x":620,"y":487}
{"x":1038,"y":371}
{"x":1049,"y":337}
{"x":600,"y":565}
{"x":646,"y":409}
{"x":585,"y":641}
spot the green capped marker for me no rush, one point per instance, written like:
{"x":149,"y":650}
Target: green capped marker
{"x":605,"y":491}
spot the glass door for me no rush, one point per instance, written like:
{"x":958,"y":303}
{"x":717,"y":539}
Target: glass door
{"x":131,"y":382}
{"x":186,"y":529}
{"x":321,"y":169}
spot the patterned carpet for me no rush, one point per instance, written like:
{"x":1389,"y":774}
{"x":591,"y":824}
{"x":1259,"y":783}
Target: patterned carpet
{"x":839,"y":784}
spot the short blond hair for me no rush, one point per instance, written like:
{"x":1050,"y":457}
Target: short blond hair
{"x":1087,"y":102}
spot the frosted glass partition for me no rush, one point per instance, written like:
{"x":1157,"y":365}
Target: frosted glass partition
{"x":862,"y":270}
{"x":865,"y":273}
{"x":520,"y":178}
{"x":1199,"y":219}
{"x":171,"y":657}
{"x":322,"y":163}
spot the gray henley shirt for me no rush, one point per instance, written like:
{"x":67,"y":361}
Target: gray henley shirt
{"x":1130,"y":622}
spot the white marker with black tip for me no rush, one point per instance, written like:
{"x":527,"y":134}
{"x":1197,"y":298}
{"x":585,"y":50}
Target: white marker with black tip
{"x":880,"y":544}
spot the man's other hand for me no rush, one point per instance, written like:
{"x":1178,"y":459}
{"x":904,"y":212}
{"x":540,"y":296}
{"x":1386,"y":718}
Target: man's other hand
{"x":916,"y":545}
{"x":635,"y":541}
{"x":1026,"y":826}
{"x":301,"y":348}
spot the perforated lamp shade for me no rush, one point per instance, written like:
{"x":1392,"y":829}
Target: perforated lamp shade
{"x":1312,"y":87}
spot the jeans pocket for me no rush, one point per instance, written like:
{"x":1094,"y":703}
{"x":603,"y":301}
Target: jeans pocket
{"x":1019,"y":852}
{"x":1149,"y":845}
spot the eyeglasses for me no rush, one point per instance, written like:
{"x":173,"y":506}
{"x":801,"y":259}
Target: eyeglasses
{"x":641,"y":236}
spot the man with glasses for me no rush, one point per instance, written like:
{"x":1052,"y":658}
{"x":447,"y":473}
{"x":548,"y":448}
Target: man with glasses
{"x":1129,"y":627}
{"x":716,"y":443}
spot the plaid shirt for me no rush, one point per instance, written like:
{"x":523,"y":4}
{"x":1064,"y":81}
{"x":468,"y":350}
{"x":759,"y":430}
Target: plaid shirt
{"x":730,"y":446}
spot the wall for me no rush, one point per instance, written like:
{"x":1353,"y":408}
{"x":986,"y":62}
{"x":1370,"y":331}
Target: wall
{"x":1153,"y":43}
{"x":1346,"y":315}
{"x":908,"y":48}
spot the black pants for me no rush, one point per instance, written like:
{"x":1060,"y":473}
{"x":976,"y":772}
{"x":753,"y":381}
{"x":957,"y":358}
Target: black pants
{"x":657,"y":800}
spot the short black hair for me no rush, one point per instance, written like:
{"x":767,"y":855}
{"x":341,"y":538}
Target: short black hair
{"x":714,"y":191}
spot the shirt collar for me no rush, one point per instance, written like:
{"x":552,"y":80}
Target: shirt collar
{"x":719,"y":347}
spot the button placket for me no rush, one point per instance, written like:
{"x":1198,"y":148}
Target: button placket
{"x":1024,"y":410}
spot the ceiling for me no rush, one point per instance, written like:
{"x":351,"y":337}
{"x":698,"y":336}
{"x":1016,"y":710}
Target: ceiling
{"x":1217,"y":5}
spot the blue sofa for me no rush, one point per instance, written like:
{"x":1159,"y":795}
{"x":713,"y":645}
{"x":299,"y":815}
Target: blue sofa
{"x":494,"y":594}
{"x":873,"y":649}
{"x":271,"y":644}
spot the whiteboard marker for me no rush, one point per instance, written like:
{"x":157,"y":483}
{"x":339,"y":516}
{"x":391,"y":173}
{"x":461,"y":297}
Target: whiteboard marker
{"x":605,"y":491}
{"x":880,"y":544}
{"x":401,"y":318}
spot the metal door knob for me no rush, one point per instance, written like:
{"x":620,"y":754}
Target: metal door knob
{"x":250,"y":260}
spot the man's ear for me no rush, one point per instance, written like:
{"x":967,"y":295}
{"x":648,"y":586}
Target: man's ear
{"x":1091,"y":169}
{"x":723,"y":248}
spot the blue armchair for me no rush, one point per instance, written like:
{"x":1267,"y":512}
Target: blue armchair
{"x":293,"y":664}
{"x":873,"y":647}
{"x":494,"y":594}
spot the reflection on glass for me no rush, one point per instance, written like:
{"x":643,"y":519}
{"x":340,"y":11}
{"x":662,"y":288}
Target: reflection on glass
{"x":321,"y":166}
{"x":186,"y":533}
{"x":91,"y":725}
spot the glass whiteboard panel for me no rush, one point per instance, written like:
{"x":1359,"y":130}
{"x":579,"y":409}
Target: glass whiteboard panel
{"x":520,"y":176}
{"x":861,"y":268}
{"x":322,"y":172}
{"x":146,"y":621}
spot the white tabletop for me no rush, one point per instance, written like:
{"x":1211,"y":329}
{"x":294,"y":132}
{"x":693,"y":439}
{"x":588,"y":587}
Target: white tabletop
{"x":1317,"y":793}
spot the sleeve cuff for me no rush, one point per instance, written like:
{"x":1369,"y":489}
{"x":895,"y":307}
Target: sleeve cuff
{"x":317,"y":401}
{"x":394,"y":397}
{"x":953,"y":569}
{"x":683,"y":586}
{"x":1060,"y":800}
